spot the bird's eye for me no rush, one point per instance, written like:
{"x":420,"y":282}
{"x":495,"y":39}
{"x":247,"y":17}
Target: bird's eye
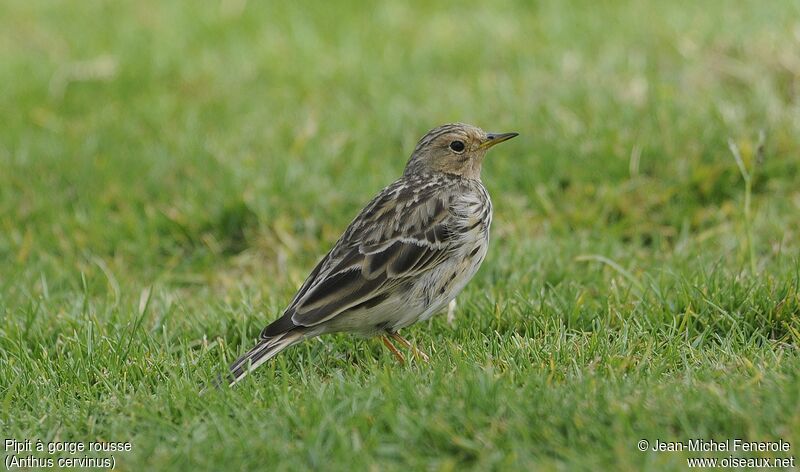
{"x":457,"y":146}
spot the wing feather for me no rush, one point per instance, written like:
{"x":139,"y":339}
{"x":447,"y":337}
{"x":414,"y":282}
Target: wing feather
{"x":405,"y":231}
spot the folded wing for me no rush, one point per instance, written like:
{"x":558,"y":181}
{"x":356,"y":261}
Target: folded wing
{"x":405,"y":231}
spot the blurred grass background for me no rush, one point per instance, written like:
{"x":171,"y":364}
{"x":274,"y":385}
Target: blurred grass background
{"x":170,"y":172}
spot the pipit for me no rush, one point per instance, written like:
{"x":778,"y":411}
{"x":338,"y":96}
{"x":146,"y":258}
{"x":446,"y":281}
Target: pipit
{"x":405,"y":257}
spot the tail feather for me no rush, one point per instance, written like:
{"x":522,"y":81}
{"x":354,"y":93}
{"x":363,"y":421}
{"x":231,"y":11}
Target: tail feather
{"x":265,"y":350}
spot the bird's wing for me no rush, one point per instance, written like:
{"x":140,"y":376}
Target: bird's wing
{"x":405,"y":231}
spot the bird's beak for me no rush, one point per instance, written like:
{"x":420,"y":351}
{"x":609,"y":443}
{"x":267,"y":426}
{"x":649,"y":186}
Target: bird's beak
{"x":497,"y":138}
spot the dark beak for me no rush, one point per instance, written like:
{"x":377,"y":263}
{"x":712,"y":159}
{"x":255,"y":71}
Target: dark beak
{"x":497,"y":138}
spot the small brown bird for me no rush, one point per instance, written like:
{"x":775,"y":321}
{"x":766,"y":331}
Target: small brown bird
{"x":409,"y":252}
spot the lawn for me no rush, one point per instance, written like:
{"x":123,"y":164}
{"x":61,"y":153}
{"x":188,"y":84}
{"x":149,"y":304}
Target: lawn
{"x":171,"y":171}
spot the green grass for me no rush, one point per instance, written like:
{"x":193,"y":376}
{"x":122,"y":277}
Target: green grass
{"x":169,"y":173}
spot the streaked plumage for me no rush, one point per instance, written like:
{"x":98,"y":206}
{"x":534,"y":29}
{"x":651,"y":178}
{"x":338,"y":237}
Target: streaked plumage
{"x":403,"y":258}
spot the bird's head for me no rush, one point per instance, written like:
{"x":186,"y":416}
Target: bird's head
{"x":455,"y":148}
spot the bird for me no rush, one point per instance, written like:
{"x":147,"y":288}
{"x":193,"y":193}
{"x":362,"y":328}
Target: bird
{"x":404,"y":258}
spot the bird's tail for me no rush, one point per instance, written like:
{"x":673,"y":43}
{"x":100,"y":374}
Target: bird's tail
{"x":265,"y":350}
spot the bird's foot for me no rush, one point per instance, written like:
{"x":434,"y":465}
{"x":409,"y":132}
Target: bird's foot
{"x":397,"y":354}
{"x":417,"y":353}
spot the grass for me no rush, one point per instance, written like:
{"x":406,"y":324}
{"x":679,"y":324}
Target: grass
{"x":170,"y":172}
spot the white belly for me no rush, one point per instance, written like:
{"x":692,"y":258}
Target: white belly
{"x":433,"y":291}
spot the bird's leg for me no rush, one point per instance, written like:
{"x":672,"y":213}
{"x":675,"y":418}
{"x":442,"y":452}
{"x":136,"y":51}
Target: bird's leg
{"x":399,"y":355}
{"x":451,"y":312}
{"x":404,"y":342}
